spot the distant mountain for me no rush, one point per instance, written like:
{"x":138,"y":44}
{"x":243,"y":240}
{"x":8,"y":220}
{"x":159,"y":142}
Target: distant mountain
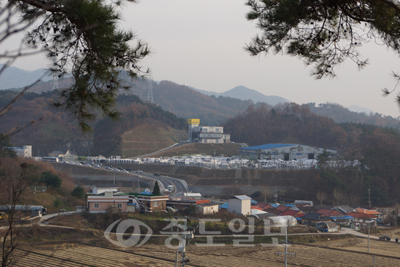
{"x":244,"y":93}
{"x":188,"y":103}
{"x":341,"y":114}
{"x":13,"y":77}
{"x":204,"y":92}
{"x":359,"y":109}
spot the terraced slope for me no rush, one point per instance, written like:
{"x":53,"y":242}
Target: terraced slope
{"x":150,"y":137}
{"x":207,"y":149}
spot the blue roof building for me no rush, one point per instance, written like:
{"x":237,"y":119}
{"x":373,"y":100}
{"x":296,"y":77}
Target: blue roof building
{"x":284,"y":151}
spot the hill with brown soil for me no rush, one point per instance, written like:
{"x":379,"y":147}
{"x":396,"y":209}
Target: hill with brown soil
{"x":205,"y":149}
{"x":149,"y":137}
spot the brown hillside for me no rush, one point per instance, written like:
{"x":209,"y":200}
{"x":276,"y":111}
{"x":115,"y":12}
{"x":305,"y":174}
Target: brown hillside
{"x":207,"y":149}
{"x":150,"y":137}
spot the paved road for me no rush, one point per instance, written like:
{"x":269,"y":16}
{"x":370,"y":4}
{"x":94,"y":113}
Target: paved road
{"x":180,"y":186}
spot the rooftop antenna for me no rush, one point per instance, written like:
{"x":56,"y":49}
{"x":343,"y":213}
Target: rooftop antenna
{"x":150,"y":92}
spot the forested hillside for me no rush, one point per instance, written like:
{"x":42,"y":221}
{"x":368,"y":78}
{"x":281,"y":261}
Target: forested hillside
{"x":57,"y":130}
{"x":188,"y":103}
{"x":378,"y":149}
{"x":142,"y":128}
{"x":341,"y":114}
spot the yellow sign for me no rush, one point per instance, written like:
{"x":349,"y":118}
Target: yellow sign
{"x":193,"y":121}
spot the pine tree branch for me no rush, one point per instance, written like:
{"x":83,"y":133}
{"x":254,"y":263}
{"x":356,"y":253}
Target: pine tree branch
{"x":45,"y":7}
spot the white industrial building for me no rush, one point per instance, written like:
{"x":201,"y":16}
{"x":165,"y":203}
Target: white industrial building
{"x":240,"y":204}
{"x":285,"y":151}
{"x":25,"y":151}
{"x":206,"y":134}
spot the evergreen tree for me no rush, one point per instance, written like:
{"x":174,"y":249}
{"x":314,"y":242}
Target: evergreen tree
{"x":156,"y":190}
{"x":324,"y":33}
{"x":78,"y":192}
{"x":81,"y":38}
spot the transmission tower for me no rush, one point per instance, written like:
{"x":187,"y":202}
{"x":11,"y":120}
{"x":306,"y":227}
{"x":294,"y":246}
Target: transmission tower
{"x":150,"y":92}
{"x":55,"y":81}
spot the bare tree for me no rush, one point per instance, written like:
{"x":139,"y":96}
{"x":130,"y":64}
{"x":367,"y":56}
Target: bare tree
{"x":267,"y":193}
{"x":321,"y":196}
{"x":338,"y":196}
{"x":354,"y":200}
{"x":15,"y":176}
{"x":230,"y":191}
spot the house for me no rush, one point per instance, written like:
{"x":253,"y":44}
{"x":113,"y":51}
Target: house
{"x":207,"y":208}
{"x":307,"y":210}
{"x":303,"y":203}
{"x":372,"y":212}
{"x":280,"y":209}
{"x":295,"y":213}
{"x":149,"y":203}
{"x":192,"y":195}
{"x":240,"y":204}
{"x":344,"y":209}
{"x":97,"y":190}
{"x":327,"y":227}
{"x":103,"y":203}
{"x":183,"y":203}
{"x":314,"y":218}
{"x":263,"y":206}
{"x":330,"y":213}
{"x":361,"y":217}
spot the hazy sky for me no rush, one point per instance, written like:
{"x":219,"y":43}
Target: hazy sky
{"x":201,"y":44}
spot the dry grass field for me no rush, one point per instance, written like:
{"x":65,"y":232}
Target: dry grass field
{"x":344,"y":252}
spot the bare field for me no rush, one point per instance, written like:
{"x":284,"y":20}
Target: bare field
{"x":257,"y":255}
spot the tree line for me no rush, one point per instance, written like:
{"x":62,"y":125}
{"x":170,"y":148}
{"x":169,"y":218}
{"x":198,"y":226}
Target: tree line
{"x":377,"y":149}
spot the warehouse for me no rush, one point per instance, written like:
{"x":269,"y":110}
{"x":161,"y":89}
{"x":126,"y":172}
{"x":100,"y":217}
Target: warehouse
{"x":284,"y":151}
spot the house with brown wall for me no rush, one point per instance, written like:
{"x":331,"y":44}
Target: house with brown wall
{"x":151,"y":203}
{"x":101,"y":204}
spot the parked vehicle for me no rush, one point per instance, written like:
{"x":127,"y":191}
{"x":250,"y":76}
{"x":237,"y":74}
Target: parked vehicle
{"x":156,"y":174}
{"x":383,"y":238}
{"x":139,"y":171}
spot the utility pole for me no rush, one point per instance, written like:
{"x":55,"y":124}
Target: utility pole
{"x":186,"y":237}
{"x":369,"y":227}
{"x":369,"y":198}
{"x":214,"y":160}
{"x":286,"y":243}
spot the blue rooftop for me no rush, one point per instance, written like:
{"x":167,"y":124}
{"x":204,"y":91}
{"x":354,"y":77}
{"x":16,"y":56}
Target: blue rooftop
{"x":267,"y":146}
{"x":224,"y":206}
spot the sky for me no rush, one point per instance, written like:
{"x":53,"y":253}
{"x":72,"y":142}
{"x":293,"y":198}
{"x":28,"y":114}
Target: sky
{"x":201,"y":44}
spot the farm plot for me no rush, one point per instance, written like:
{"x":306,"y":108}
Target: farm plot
{"x":341,"y":253}
{"x":266,"y":256}
{"x":81,"y":255}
